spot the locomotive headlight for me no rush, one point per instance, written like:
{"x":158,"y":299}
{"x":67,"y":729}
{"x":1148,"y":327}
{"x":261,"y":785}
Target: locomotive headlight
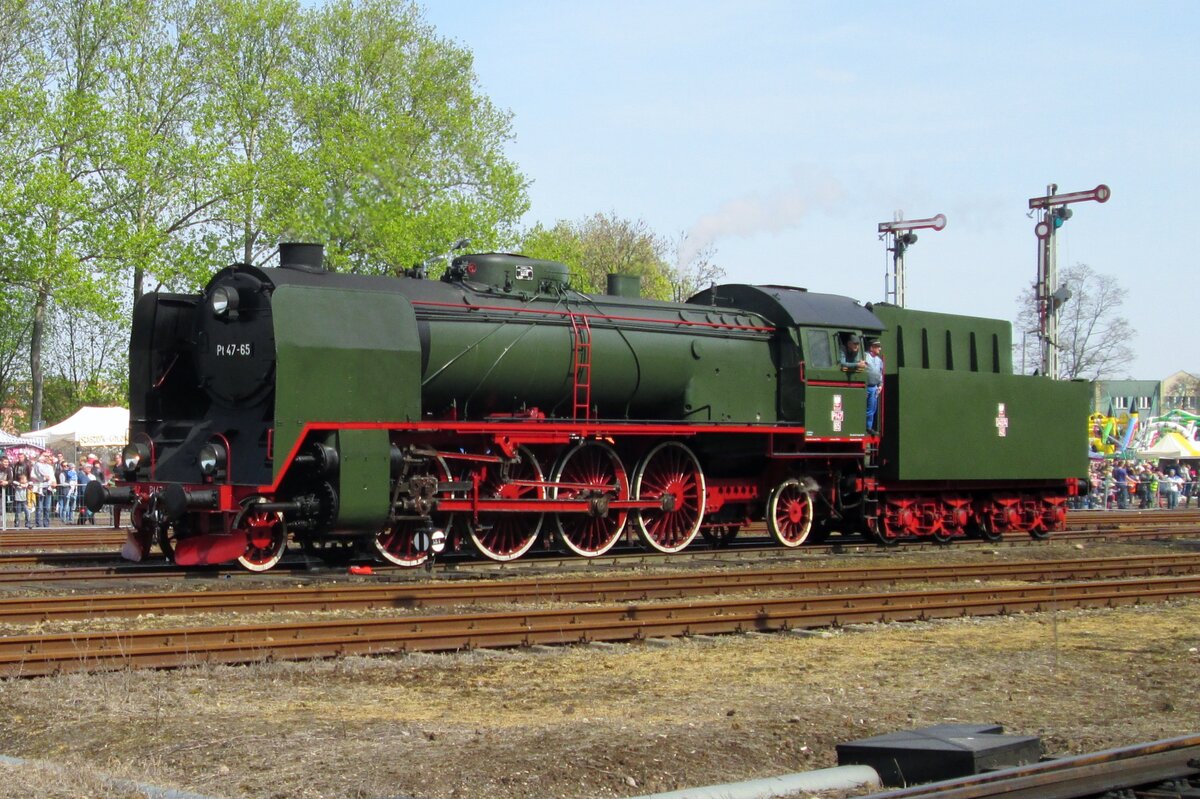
{"x":224,"y":300}
{"x":132,"y":456}
{"x":212,"y":458}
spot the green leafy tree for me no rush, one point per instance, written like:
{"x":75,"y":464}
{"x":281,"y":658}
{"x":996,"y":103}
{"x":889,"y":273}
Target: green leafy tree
{"x":248,"y":74}
{"x":138,"y":138}
{"x":604,"y":244}
{"x":158,"y":186}
{"x":16,"y":323}
{"x":22,"y":72}
{"x":61,"y":232}
{"x":87,"y":361}
{"x":401,"y":152}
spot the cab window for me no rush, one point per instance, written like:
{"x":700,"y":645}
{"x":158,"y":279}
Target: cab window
{"x":819,"y":354}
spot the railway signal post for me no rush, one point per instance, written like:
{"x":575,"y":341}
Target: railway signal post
{"x":899,"y":236}
{"x":1050,"y":295}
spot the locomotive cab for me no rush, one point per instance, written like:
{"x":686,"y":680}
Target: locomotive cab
{"x":812,"y":389}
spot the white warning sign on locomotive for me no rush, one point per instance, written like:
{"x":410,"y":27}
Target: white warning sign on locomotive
{"x":1001,"y":422}
{"x":838,"y":414}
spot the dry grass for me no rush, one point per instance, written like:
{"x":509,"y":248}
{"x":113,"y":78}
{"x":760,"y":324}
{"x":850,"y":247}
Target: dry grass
{"x":586,"y":722}
{"x":601,"y":721}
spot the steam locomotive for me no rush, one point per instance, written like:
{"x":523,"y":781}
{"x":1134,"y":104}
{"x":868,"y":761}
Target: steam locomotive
{"x":497,"y":407}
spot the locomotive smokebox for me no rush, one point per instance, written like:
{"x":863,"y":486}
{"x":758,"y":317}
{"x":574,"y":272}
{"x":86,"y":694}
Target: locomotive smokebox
{"x":305,"y":257}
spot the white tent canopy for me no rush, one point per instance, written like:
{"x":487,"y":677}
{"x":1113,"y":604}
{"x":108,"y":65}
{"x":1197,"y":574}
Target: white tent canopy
{"x":88,"y":427}
{"x":9,"y":440}
{"x":1172,"y":446}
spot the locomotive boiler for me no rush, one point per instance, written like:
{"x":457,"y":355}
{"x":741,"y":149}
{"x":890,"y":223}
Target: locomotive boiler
{"x":498,"y":407}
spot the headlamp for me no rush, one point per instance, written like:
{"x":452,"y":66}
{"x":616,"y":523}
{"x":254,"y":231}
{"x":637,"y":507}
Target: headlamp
{"x":212,"y":458}
{"x":224,"y":299}
{"x":132,"y":455}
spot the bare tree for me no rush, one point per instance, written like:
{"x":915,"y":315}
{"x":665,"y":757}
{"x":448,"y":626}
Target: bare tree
{"x":1093,"y":338}
{"x":694,"y":269}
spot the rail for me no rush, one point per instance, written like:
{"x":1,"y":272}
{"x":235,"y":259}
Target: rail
{"x":579,"y":589}
{"x":31,"y":655}
{"x":1104,"y":773}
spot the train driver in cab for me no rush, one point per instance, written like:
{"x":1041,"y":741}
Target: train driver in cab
{"x":852,"y":357}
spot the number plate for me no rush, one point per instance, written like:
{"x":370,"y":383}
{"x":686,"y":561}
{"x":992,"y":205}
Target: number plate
{"x":243,"y":350}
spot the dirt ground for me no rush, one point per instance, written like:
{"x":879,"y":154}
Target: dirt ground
{"x":599,"y":721}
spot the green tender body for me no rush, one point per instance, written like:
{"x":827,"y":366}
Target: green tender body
{"x":949,"y":392}
{"x":346,"y":356}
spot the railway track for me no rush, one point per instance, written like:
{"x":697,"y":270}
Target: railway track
{"x":31,"y":655}
{"x":59,"y":537}
{"x":103,"y":535}
{"x":18,"y":546}
{"x":1080,"y":518}
{"x":582,"y":589}
{"x":1168,"y":769}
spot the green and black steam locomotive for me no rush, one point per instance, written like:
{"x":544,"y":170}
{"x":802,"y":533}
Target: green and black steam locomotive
{"x":498,"y":407}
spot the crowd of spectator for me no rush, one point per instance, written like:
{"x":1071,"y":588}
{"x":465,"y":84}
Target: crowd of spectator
{"x":34,"y":489}
{"x":1122,"y":484}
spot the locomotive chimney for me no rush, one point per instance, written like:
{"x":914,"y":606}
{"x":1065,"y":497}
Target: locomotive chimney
{"x":305,"y":257}
{"x":624,"y":286}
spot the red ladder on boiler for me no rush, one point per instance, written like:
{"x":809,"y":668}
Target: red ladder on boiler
{"x":581,"y":366}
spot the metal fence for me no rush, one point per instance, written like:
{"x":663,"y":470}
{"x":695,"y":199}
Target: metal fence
{"x":1140,"y":496}
{"x":18,"y":509}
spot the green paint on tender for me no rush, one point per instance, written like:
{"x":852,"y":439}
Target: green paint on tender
{"x":946,"y":426}
{"x":946,"y":378}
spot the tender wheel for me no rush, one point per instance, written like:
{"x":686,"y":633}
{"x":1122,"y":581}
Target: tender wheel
{"x":397,"y":542}
{"x":985,"y":527}
{"x":790,"y":513}
{"x":266,"y":538}
{"x":884,"y":540}
{"x":1053,"y":516}
{"x":895,"y":521}
{"x":1034,"y":518}
{"x":507,"y":536}
{"x":670,"y":470}
{"x":590,"y":470}
{"x":939,"y":533}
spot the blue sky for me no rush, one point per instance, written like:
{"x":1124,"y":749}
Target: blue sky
{"x":782,"y":133}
